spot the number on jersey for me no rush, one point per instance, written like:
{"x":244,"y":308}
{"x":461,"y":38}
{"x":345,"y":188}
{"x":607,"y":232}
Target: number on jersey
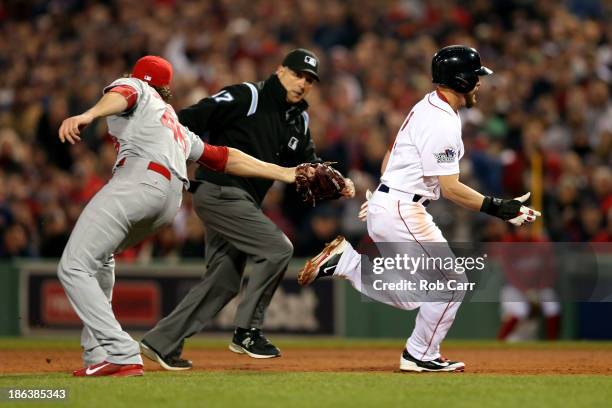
{"x":402,"y":128}
{"x":223,"y":96}
{"x":169,"y":120}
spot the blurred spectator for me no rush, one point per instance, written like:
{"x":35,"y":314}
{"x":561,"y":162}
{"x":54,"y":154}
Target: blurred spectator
{"x":193,"y":244}
{"x":605,"y":234}
{"x":55,"y":233}
{"x":322,"y":228}
{"x":165,"y":244}
{"x":15,"y":242}
{"x":58,"y":154}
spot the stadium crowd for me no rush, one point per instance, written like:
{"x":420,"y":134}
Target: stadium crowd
{"x":543,"y":123}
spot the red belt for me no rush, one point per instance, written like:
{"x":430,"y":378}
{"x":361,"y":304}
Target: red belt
{"x":156,"y":167}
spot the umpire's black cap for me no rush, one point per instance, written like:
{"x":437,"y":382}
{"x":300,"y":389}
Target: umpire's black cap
{"x":302,"y":60}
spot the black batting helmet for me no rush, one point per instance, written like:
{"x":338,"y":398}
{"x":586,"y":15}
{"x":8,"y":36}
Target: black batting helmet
{"x":458,"y":68}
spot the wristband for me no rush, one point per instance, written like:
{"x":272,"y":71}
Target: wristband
{"x":500,"y":208}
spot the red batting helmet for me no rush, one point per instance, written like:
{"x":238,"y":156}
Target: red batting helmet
{"x":154,"y":70}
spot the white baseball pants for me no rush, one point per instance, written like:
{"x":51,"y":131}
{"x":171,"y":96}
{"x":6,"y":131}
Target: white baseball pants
{"x":393,"y":219}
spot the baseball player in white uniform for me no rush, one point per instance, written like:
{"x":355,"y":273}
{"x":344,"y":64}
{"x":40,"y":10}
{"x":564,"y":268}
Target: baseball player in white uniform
{"x":144,"y":193}
{"x":423,"y":161}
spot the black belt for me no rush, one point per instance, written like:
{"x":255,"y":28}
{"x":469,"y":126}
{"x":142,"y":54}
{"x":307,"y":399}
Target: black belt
{"x":415,"y":198}
{"x":193,"y":186}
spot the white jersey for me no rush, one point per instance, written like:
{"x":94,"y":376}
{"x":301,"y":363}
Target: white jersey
{"x":427,"y":145}
{"x":151,"y":130}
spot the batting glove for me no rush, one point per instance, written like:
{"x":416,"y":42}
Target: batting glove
{"x":526,"y":214}
{"x":512,"y":211}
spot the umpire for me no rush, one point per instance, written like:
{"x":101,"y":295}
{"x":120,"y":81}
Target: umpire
{"x":267,"y":120}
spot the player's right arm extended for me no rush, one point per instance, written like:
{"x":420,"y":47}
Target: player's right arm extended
{"x":244,"y":165}
{"x":111,"y":103}
{"x":233,"y":161}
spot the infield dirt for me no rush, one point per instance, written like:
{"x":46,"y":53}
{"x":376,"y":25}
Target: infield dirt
{"x":478,"y":361}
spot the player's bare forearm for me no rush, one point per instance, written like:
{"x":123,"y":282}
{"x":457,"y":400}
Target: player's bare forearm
{"x":244,"y":165}
{"x":110,"y":104}
{"x":459,"y":193}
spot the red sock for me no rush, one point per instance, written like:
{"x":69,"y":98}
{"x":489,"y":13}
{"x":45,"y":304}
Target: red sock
{"x":506,"y":328}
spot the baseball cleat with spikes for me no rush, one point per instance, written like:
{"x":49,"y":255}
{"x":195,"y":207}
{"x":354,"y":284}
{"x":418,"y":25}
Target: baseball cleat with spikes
{"x":106,"y":369}
{"x":324,"y":264}
{"x":409,"y":363}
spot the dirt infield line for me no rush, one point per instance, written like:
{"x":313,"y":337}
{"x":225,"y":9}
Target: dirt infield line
{"x":485,"y":361}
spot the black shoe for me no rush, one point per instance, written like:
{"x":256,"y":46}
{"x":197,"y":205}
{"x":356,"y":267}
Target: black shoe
{"x":171,"y":363}
{"x":409,"y":363}
{"x":324,"y":264}
{"x":254,"y":343}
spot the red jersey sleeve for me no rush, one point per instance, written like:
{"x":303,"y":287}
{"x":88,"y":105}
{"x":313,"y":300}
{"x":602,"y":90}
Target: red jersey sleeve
{"x":129,"y":93}
{"x":214,"y":157}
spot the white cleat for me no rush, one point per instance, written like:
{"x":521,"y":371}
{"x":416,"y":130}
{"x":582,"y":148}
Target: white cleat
{"x":409,"y":363}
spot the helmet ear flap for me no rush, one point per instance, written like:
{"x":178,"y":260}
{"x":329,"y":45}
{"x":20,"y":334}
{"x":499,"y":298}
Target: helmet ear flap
{"x":464,"y":82}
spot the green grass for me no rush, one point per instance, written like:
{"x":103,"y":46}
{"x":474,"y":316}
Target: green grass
{"x":265,"y":389}
{"x":216,"y":389}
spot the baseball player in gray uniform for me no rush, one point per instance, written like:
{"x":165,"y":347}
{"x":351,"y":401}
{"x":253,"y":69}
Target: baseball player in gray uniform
{"x":144,"y":193}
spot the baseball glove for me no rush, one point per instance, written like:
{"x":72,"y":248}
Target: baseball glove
{"x":318,"y":181}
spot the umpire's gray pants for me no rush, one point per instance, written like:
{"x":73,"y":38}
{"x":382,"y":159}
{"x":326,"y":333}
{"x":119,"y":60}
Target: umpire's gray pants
{"x":236,"y":228}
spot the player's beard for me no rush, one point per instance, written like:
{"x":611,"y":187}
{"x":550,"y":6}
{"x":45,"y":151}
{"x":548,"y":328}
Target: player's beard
{"x":470,"y":99}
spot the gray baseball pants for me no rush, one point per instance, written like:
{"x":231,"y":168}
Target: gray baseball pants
{"x":133,"y":204}
{"x":236,"y":229}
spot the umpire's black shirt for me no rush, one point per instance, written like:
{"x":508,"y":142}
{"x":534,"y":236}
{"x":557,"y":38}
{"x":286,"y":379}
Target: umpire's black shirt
{"x":257,"y":119}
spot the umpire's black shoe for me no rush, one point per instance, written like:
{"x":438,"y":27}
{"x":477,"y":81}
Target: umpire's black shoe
{"x":324,"y":264}
{"x":409,"y":363}
{"x":171,"y":363}
{"x":253,"y":343}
